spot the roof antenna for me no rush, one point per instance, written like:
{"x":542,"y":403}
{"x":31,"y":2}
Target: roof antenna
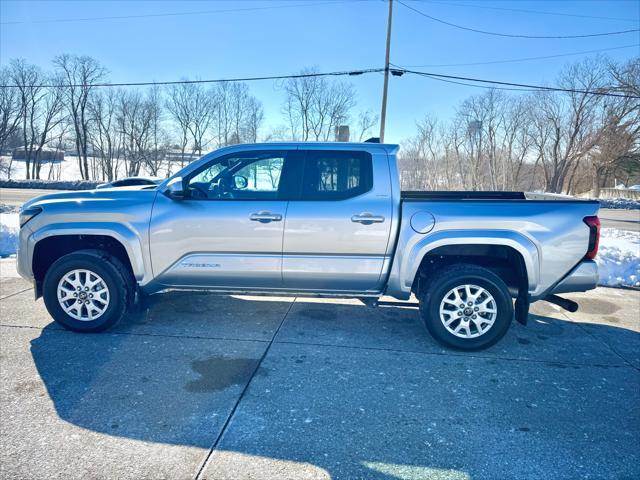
{"x":373,"y":140}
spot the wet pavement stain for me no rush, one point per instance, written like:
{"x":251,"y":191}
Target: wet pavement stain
{"x":523,"y":341}
{"x":597,"y":306}
{"x":218,"y":373}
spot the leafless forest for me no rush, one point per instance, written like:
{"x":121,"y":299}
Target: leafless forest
{"x":499,"y":139}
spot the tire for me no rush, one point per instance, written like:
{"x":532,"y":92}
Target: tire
{"x":472,"y":327}
{"x":100,"y":310}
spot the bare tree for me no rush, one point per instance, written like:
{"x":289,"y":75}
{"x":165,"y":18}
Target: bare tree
{"x":564,"y":131}
{"x":365,"y":122}
{"x":237,"y":114}
{"x":9,"y":108}
{"x":105,"y":136}
{"x":134,"y":119}
{"x":619,"y":133}
{"x":314,"y":106}
{"x":79,"y":75}
{"x":178,"y":105}
{"x":40,"y":111}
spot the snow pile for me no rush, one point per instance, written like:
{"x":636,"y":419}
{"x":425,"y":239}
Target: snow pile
{"x":4,"y":208}
{"x":620,"y":203}
{"x":9,"y":226}
{"x":618,"y":258}
{"x":50,"y":184}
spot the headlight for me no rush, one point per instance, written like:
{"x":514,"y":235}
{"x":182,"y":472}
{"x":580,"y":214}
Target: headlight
{"x":28,"y":213}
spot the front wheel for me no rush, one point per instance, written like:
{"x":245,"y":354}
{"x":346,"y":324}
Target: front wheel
{"x":466,"y":307}
{"x":86,"y":291}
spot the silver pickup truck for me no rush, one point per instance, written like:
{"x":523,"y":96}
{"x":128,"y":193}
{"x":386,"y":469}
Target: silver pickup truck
{"x":309,"y":219}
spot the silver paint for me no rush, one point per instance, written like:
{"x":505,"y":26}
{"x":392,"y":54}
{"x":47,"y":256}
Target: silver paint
{"x":367,"y":245}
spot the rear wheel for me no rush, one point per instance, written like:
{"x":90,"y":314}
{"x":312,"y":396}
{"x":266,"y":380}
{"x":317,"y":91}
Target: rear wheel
{"x":466,"y":307}
{"x":86,"y":291}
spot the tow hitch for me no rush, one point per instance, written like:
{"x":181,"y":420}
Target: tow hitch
{"x":565,"y":303}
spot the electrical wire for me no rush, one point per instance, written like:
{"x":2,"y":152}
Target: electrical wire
{"x":396,"y":72}
{"x":175,"y":14}
{"x":217,"y":80}
{"x":525,"y":59}
{"x":510,"y":35}
{"x":601,"y":93}
{"x":535,"y":12}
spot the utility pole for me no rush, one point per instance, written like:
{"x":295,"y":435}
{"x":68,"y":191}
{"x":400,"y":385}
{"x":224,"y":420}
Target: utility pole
{"x":383,"y":113}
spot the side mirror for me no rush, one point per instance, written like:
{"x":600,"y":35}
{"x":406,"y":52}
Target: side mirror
{"x":240,"y":182}
{"x":175,"y":189}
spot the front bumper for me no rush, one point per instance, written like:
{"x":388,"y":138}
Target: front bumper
{"x":582,"y":278}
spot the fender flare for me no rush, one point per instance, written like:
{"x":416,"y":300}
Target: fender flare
{"x":410,"y":262}
{"x":119,"y":232}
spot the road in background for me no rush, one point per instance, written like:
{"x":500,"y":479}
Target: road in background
{"x":611,"y":218}
{"x":622,"y":219}
{"x":17,"y":196}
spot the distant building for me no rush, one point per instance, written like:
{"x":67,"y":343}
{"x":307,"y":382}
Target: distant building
{"x":46,"y":154}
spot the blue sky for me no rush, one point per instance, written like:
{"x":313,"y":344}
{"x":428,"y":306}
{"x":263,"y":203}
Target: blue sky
{"x":340,"y":35}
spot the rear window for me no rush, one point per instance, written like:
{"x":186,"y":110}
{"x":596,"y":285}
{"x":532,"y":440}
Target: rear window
{"x":336,"y":175}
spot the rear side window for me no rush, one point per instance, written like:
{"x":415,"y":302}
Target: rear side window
{"x":336,"y":175}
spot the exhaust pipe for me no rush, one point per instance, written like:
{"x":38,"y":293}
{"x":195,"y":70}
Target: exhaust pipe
{"x":565,"y":303}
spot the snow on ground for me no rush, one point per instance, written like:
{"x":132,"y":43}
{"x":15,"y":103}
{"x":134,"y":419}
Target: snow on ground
{"x":9,"y":226}
{"x":619,"y":203}
{"x":619,"y":258}
{"x":4,"y":208}
{"x":50,"y":184}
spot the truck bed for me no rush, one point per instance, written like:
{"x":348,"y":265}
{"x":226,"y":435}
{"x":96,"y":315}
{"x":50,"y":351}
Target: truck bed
{"x":435,"y":196}
{"x":410,"y":195}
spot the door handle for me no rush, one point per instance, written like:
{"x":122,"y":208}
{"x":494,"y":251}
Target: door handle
{"x":367,"y":218}
{"x":265,"y":217}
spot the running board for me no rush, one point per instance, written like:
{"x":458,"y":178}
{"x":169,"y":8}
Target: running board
{"x":565,"y":303}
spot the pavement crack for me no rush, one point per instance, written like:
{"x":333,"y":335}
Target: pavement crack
{"x":603,"y":341}
{"x":16,"y":293}
{"x":227,"y":422}
{"x":134,"y":334}
{"x":451,"y":354}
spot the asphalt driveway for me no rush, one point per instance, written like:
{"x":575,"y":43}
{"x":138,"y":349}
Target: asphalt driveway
{"x":235,"y":387}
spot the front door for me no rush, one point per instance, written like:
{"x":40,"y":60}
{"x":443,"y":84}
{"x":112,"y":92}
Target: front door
{"x":227,"y":233}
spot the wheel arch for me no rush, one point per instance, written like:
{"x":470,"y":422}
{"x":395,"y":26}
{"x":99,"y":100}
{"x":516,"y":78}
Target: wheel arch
{"x":480,"y":247}
{"x":50,"y":245}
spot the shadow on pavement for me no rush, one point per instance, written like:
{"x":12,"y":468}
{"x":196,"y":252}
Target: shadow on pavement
{"x":321,"y":405}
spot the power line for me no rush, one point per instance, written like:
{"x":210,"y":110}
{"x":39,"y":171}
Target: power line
{"x":601,"y":93}
{"x":510,"y":35}
{"x":525,"y":59}
{"x":217,"y":80}
{"x":175,"y":14}
{"x":395,"y":72}
{"x":472,"y":84}
{"x":536,"y":12}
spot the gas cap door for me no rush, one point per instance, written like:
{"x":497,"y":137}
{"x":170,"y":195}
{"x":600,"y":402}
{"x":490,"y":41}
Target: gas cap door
{"x":422,"y":222}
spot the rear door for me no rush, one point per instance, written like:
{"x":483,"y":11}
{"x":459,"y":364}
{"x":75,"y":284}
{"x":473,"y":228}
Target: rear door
{"x":337,"y":231}
{"x":228,"y":232}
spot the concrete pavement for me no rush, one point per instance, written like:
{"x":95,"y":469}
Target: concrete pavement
{"x":238,"y":387}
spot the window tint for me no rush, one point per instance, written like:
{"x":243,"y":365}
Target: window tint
{"x":247,"y":176}
{"x":336,"y":175}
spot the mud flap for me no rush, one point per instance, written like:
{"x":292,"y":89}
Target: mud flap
{"x":522,"y":308}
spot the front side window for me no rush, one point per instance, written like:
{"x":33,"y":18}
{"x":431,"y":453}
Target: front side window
{"x":336,"y":175}
{"x":245,"y":176}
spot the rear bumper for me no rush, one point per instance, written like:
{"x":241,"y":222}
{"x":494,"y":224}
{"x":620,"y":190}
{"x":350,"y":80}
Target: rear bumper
{"x":582,"y":278}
